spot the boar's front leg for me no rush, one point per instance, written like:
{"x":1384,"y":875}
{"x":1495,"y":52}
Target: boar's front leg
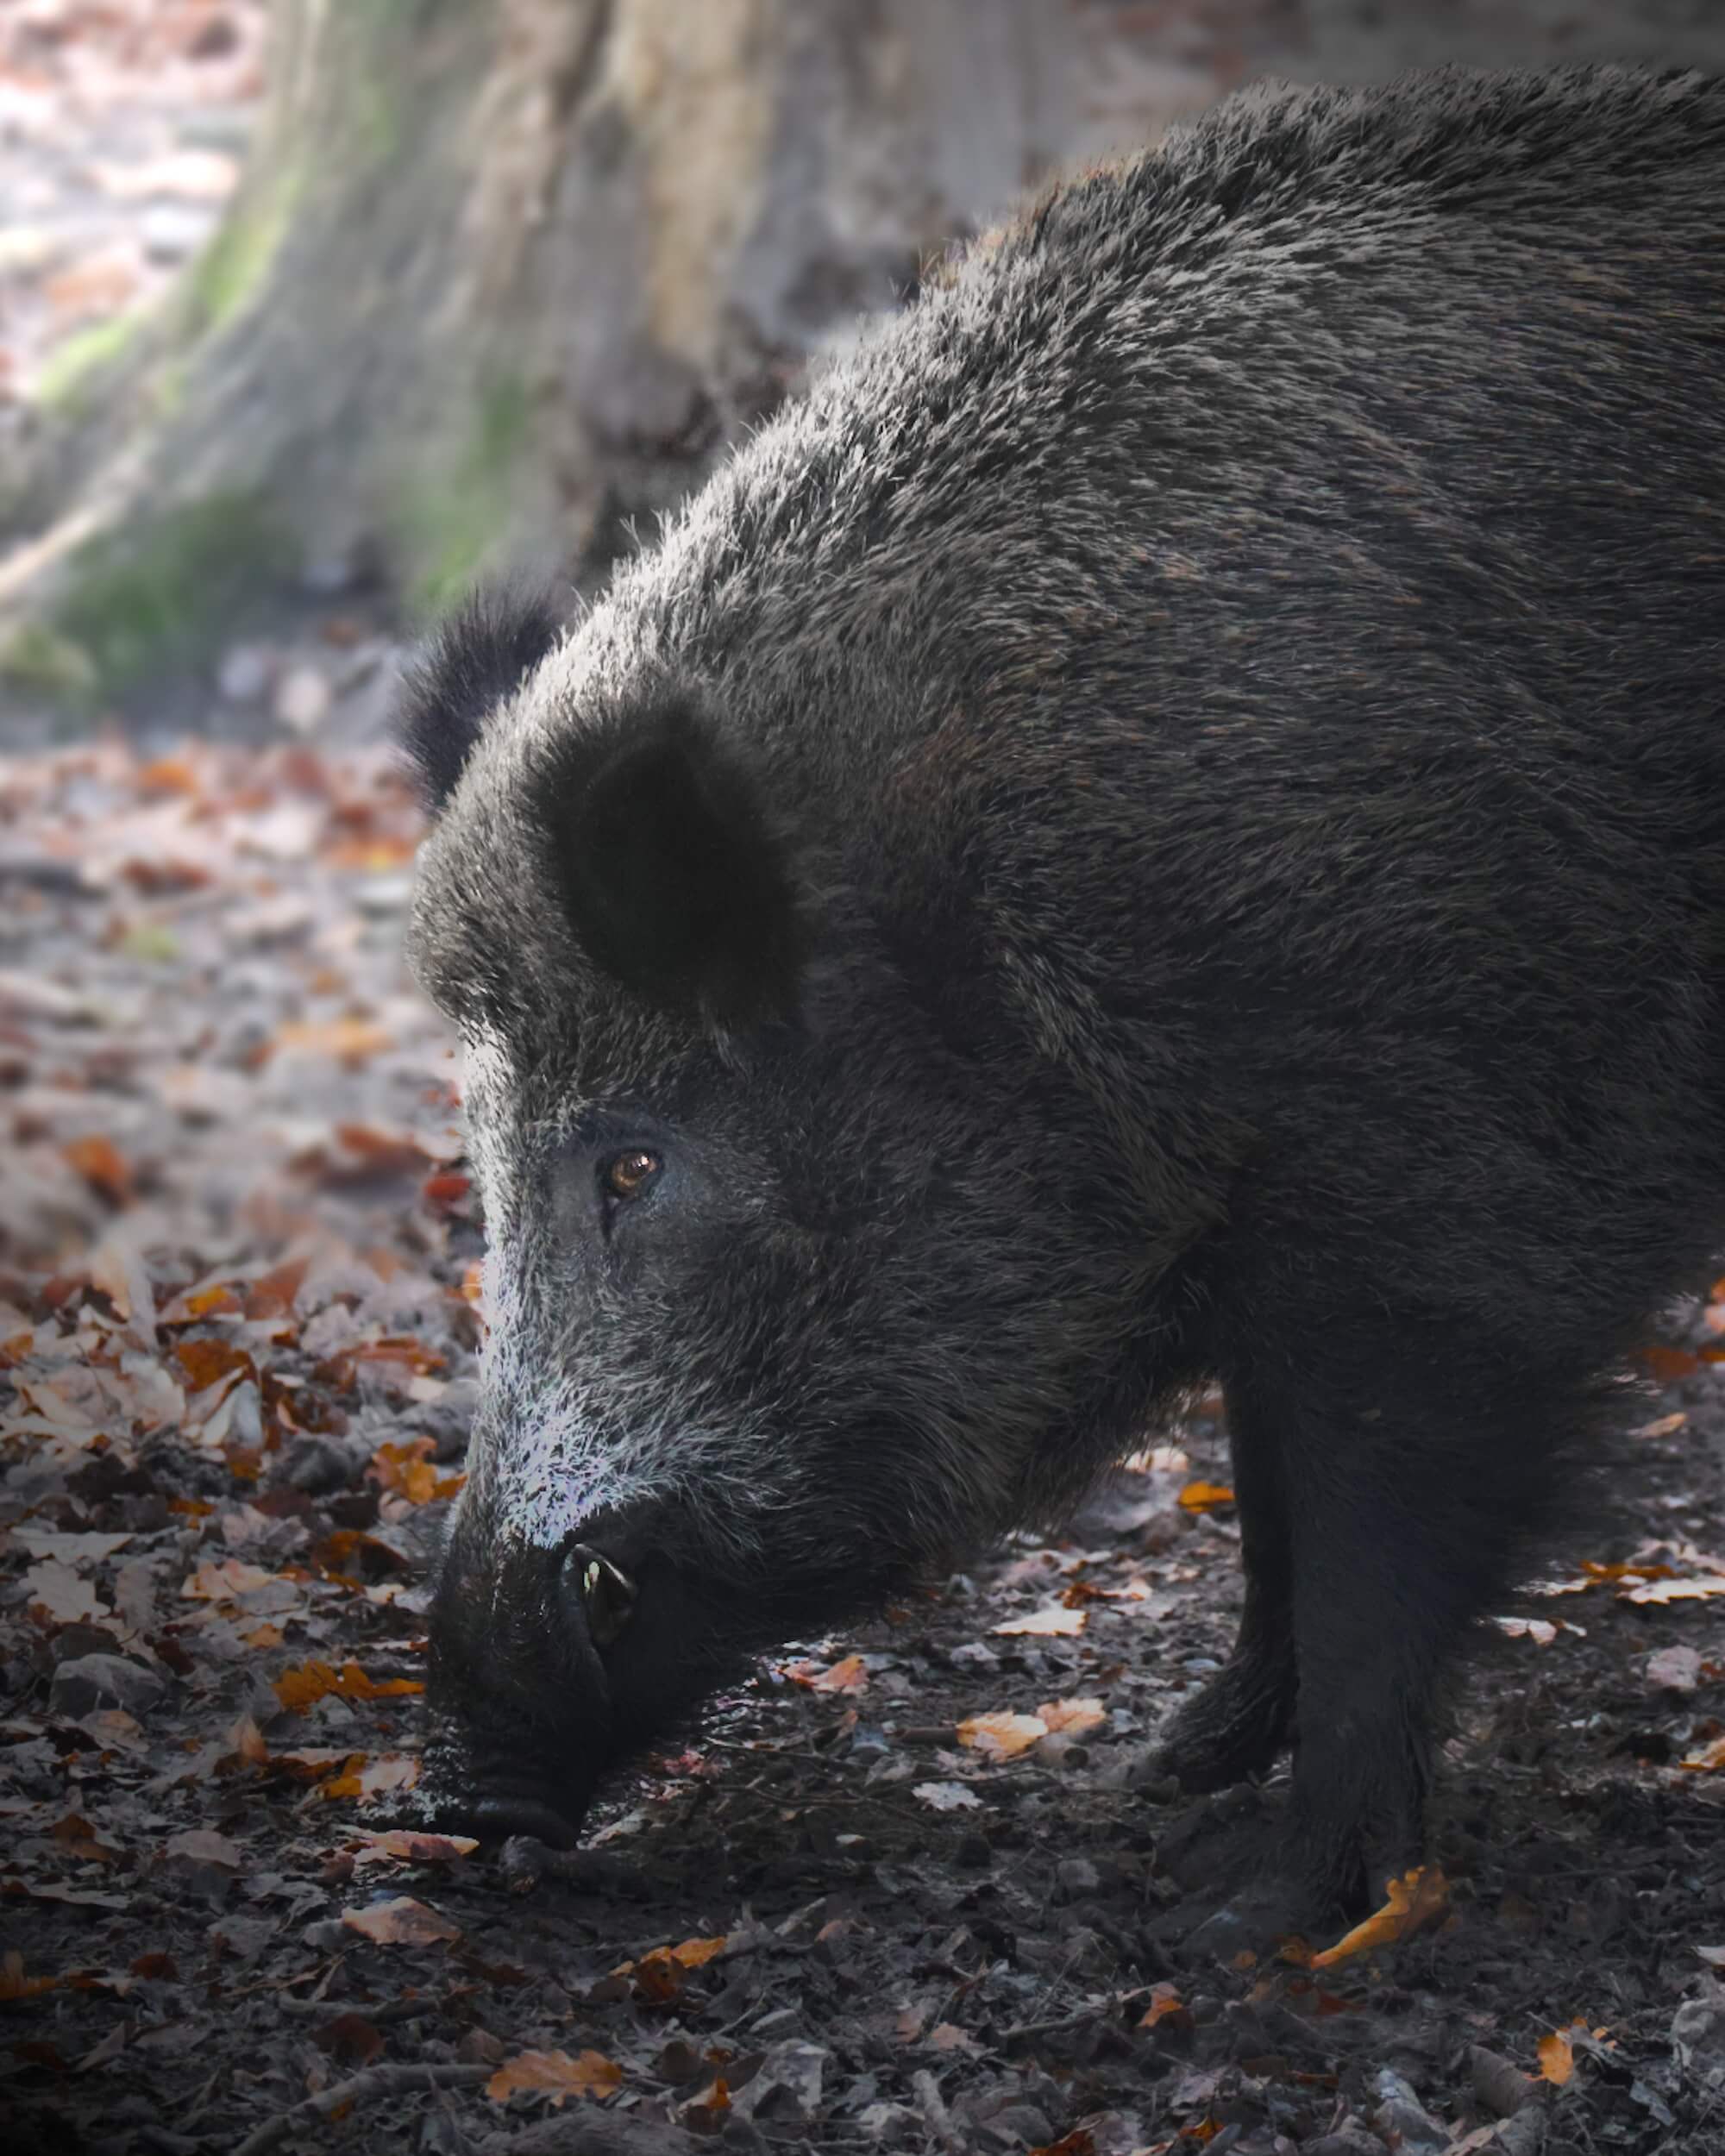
{"x":1242,"y":1718}
{"x":1411,"y":1458}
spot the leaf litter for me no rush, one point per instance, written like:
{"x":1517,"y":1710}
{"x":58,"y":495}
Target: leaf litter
{"x":912,"y":1889}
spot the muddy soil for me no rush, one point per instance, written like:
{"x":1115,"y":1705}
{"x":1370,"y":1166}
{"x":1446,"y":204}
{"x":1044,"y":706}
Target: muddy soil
{"x":910,"y":1890}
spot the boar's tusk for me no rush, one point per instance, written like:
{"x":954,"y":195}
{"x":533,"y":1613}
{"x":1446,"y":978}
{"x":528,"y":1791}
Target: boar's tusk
{"x":607,"y":1594}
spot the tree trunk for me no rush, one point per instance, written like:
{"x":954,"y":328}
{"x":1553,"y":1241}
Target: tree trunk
{"x":503,"y":275}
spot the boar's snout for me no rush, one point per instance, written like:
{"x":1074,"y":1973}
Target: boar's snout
{"x":548,"y":1666}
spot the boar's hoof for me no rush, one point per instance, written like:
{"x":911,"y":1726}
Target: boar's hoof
{"x":497,"y":1818}
{"x":1232,"y":1731}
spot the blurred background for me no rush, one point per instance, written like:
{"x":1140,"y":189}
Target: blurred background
{"x":311,"y":312}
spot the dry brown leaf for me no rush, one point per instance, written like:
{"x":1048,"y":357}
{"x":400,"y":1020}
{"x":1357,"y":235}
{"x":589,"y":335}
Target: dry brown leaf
{"x":1165,"y":2000}
{"x":14,"y":1984}
{"x":1709,"y":1760}
{"x":406,"y":1469}
{"x":1072,"y":1717}
{"x":1206,"y":1496}
{"x":1416,"y":1899}
{"x":1557,"y":2054}
{"x":394,"y":1770}
{"x":851,"y":1674}
{"x":402,"y":1922}
{"x":661,"y":1973}
{"x":1001,"y":1736}
{"x":400,"y":1844}
{"x":554,"y":2073}
{"x":225,"y":1581}
{"x":302,"y":1686}
{"x":101,"y":1165}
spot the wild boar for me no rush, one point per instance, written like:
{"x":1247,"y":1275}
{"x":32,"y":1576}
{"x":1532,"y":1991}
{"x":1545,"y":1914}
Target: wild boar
{"x":1164,"y":821}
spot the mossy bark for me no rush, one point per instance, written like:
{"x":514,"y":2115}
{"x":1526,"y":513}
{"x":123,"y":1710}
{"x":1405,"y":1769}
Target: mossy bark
{"x":502,"y":276}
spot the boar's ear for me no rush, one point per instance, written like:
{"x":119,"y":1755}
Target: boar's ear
{"x":674,"y":879}
{"x":473,"y":660}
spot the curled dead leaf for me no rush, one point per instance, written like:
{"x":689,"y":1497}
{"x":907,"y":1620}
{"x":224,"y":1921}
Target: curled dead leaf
{"x":1418,"y":1898}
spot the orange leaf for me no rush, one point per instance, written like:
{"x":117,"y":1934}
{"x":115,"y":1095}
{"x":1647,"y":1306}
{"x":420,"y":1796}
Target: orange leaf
{"x":395,"y":1771}
{"x":402,"y":1922}
{"x":1556,"y":2054}
{"x":1164,"y":1999}
{"x":1072,"y":1717}
{"x":447,"y":1188}
{"x":1206,"y":1496}
{"x":101,"y":1165}
{"x":851,"y":1674}
{"x":406,"y":1469}
{"x":659,"y":1973}
{"x":1413,"y":1901}
{"x":14,"y":1984}
{"x":1001,"y":1736}
{"x":300,"y":1688}
{"x":272,"y":1295}
{"x":554,"y":2073}
{"x":404,"y":1846}
{"x":206,"y":1363}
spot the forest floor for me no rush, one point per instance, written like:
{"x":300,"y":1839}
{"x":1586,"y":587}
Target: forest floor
{"x":900,"y":1892}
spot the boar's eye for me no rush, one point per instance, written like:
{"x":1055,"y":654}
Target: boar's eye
{"x":627,"y":1175}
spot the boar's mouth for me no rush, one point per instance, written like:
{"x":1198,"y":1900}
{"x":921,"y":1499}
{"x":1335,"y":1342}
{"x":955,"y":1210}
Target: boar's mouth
{"x":551,"y":1667}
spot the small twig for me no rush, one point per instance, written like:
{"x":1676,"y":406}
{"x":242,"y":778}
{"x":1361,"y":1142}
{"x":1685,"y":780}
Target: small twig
{"x":934,"y":2110}
{"x":361,"y":2088}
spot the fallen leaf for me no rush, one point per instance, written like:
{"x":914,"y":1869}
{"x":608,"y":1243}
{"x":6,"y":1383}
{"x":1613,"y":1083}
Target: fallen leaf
{"x":101,"y":1165}
{"x":1206,"y":1496}
{"x":401,"y":1845}
{"x":402,"y":1922}
{"x":659,"y":1973}
{"x":1165,"y":2000}
{"x":1709,"y":1760}
{"x":301,"y":1686}
{"x":406,"y":1469}
{"x":55,"y":1592}
{"x":554,"y":2073}
{"x":1661,"y":1591}
{"x":1001,"y":1736}
{"x":1418,"y":1898}
{"x":1556,"y":2054}
{"x":1072,"y":1717}
{"x":225,"y":1581}
{"x":851,"y":1674}
{"x":374,"y":1778}
{"x":1052,"y":1622}
{"x":14,"y":1984}
{"x":946,"y":1797}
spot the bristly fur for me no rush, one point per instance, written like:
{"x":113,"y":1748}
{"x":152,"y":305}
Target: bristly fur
{"x":1232,"y":679}
{"x":474,"y":661}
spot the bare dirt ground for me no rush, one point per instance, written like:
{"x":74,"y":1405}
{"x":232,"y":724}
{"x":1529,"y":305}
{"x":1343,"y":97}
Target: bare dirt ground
{"x":906,"y":1892}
